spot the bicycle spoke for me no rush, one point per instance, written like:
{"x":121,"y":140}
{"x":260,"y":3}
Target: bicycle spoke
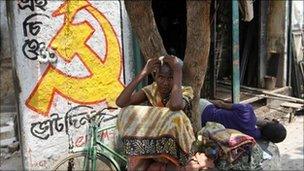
{"x":76,"y":162}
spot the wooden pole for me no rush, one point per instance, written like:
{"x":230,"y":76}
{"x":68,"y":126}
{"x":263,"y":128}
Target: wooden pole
{"x":236,"y":53}
{"x":262,"y":42}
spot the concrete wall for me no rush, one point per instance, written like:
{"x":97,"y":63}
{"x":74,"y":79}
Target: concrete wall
{"x":91,"y":45}
{"x":7,"y":97}
{"x":4,"y":32}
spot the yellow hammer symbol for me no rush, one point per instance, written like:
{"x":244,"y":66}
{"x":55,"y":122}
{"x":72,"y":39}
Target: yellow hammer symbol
{"x":103,"y":83}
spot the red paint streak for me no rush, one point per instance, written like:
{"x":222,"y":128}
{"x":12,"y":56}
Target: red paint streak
{"x":80,"y":141}
{"x":106,"y":135}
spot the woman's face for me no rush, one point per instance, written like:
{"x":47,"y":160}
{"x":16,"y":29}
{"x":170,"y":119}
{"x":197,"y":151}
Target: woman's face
{"x":164,"y":80}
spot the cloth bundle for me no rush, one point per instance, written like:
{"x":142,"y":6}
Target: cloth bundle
{"x":156,"y":132}
{"x":232,"y":143}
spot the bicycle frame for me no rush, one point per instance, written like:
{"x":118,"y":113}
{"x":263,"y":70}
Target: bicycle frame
{"x":95,"y":146}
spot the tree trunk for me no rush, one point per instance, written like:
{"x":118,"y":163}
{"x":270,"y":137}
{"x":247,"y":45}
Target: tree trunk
{"x":197,"y":48}
{"x":144,"y":25}
{"x":197,"y":52}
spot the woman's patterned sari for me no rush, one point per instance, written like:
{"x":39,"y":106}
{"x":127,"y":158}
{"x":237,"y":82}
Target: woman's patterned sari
{"x":156,"y":132}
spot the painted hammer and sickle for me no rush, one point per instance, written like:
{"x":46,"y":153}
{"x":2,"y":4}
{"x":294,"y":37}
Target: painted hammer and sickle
{"x":103,"y":83}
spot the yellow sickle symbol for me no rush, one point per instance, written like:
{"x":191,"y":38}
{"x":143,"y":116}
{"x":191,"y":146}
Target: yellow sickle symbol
{"x":103,"y":83}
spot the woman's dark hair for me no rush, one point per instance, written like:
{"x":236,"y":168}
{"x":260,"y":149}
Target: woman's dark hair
{"x":274,"y":132}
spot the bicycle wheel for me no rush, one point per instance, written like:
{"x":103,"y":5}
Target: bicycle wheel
{"x":75,"y":162}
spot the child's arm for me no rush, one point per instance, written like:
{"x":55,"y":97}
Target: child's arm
{"x":127,"y":97}
{"x":221,"y":104}
{"x":263,"y":122}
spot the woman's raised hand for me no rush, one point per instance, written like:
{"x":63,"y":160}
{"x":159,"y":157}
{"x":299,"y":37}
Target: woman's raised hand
{"x":174,"y":62}
{"x":151,"y":65}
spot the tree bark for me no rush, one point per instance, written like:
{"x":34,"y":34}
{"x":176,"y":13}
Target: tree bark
{"x":144,"y":25}
{"x":197,"y":52}
{"x":197,"y":47}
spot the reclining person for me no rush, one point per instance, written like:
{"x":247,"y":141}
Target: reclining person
{"x":242,"y":118}
{"x":158,"y":137}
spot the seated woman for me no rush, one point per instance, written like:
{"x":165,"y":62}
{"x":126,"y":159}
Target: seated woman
{"x":158,"y":137}
{"x":242,"y":118}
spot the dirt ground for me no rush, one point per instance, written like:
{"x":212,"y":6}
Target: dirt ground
{"x":291,"y":150}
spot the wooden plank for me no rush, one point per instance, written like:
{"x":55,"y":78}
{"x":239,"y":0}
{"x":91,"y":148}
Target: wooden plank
{"x":251,"y":100}
{"x":262,"y":96}
{"x":7,"y":142}
{"x":271,"y":93}
{"x":6,"y":128}
{"x":6,"y":117}
{"x":292,"y":105}
{"x":283,"y":96}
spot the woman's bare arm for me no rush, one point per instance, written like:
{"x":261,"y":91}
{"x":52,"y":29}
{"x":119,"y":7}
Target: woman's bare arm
{"x":128,"y":96}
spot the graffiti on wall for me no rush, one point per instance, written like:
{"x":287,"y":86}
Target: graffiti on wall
{"x":85,"y":37}
{"x":32,"y":26}
{"x":103,"y":83}
{"x":75,"y":118}
{"x":106,"y":135}
{"x":32,"y":4}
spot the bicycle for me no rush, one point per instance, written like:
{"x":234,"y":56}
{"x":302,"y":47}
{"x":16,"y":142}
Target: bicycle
{"x":96,"y":154}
